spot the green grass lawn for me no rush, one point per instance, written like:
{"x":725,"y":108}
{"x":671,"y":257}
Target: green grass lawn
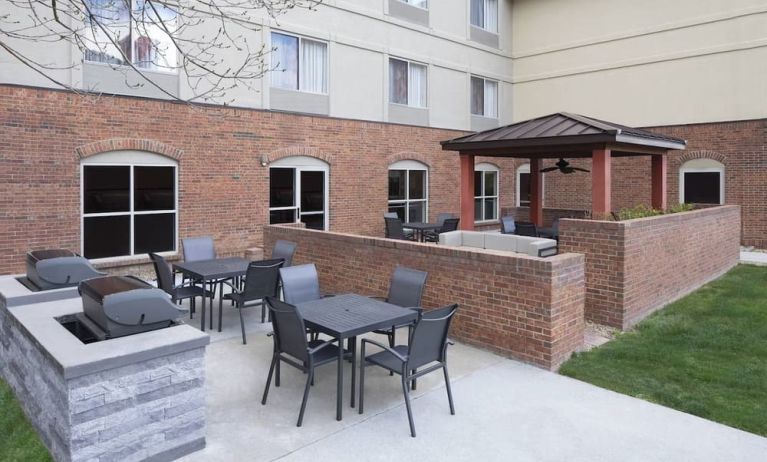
{"x":18,"y":440}
{"x":705,"y":354}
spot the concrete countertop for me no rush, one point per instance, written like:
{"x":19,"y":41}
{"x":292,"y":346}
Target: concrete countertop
{"x":16,"y":293}
{"x":76,"y":358}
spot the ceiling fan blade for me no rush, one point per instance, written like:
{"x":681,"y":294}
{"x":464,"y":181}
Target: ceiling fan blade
{"x":549,"y":169}
{"x":581,"y":169}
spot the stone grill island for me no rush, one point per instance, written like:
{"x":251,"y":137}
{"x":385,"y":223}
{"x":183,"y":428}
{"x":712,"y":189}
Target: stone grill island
{"x":136,"y":397}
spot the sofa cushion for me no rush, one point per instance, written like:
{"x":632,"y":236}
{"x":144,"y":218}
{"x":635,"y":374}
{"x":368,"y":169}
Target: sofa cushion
{"x":503,"y":242}
{"x":452,"y":238}
{"x":473,"y":239}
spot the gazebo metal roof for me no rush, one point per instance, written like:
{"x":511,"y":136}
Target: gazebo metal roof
{"x":563,"y":133}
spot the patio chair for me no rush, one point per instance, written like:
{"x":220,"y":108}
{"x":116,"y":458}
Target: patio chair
{"x":526,"y":229}
{"x":394,"y":229}
{"x":450,"y":224}
{"x":198,"y":249}
{"x":261,"y":280}
{"x":285,"y":250}
{"x":551,"y":233}
{"x":427,"y":347}
{"x":507,"y":225}
{"x":301,"y":284}
{"x":292,"y":348}
{"x":407,"y":232}
{"x":406,"y":290}
{"x":183,"y":291}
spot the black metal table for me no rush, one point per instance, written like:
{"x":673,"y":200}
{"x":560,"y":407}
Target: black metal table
{"x":419,"y":228}
{"x":347,"y":316}
{"x":210,"y":270}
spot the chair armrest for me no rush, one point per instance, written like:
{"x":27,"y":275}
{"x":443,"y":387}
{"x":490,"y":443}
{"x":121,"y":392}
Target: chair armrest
{"x":327,"y":295}
{"x":234,"y":289}
{"x":376,"y":297}
{"x":322,"y":345}
{"x":385,"y":348}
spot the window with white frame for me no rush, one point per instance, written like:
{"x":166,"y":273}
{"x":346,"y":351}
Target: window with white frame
{"x":298,"y":192}
{"x":701,"y":181}
{"x":486,"y":181}
{"x":484,"y":14}
{"x":129,"y":204}
{"x":407,"y":83}
{"x":419,"y":3}
{"x":409,"y":190}
{"x":523,"y":185}
{"x":299,"y":63}
{"x":484,"y":97}
{"x":131,"y":32}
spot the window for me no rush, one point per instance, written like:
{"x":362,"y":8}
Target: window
{"x":409,"y":190}
{"x":484,"y":14}
{"x":131,"y":32}
{"x":419,"y":3}
{"x":299,"y":63}
{"x":407,"y":83}
{"x":701,"y":181}
{"x":298,"y":192}
{"x":129,"y":205}
{"x":485,"y":192}
{"x":484,"y":97}
{"x":523,"y":185}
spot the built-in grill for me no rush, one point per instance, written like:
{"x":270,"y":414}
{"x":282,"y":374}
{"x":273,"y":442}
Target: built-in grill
{"x":116,"y":306}
{"x":56,"y":268}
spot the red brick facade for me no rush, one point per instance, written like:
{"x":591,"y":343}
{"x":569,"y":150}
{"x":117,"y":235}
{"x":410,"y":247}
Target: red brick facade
{"x":637,"y":266}
{"x":525,"y":307}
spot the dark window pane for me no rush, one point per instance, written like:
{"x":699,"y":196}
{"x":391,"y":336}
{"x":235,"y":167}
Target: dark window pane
{"x":314,"y":221}
{"x":477,"y":96}
{"x":415,"y":212}
{"x":282,"y":216}
{"x":417,"y":184}
{"x":477,"y":209}
{"x":524,"y":189}
{"x":397,"y":184}
{"x":281,"y":187}
{"x":154,"y":188}
{"x":106,"y":189}
{"x":399,"y":209}
{"x":154,"y":233}
{"x":312,"y":191}
{"x":397,"y":81}
{"x":106,"y":236}
{"x":490,"y":180}
{"x":702,"y":187}
{"x":477,"y":184}
{"x":490,"y":209}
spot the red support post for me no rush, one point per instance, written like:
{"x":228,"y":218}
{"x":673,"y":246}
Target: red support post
{"x":601,"y":182}
{"x":536,"y":192}
{"x":467,"y":192}
{"x":659,"y":182}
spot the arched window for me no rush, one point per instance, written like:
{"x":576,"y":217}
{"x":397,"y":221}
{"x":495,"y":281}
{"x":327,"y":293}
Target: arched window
{"x":129,"y":204}
{"x":523,"y":185}
{"x":486,"y":181}
{"x":298,"y":191}
{"x":409,"y":190}
{"x":701,"y":181}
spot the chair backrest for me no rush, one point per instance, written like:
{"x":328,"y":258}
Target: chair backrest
{"x":430,"y":336}
{"x":199,"y":248}
{"x":507,"y":225}
{"x":526,"y":229}
{"x":289,"y":329}
{"x":394,"y":228}
{"x":262,"y":279}
{"x":285,"y":250}
{"x":300,"y":283}
{"x":555,"y":226}
{"x":406,"y":287}
{"x":450,"y":224}
{"x":163,"y":272}
{"x":444,"y":216}
{"x":391,"y":215}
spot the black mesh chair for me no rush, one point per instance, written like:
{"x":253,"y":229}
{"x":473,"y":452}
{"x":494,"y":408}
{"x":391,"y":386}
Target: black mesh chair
{"x":526,"y":229}
{"x":292,"y":347}
{"x":285,"y":250}
{"x":406,"y":290}
{"x":300,"y":284}
{"x":261,"y":280}
{"x":427,"y":347}
{"x":450,"y":224}
{"x":183,"y":291}
{"x":394,"y":229}
{"x":551,"y":233}
{"x":507,"y":225}
{"x":199,"y":249}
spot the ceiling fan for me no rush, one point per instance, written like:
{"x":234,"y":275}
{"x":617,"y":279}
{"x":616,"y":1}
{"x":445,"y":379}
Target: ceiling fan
{"x":564,"y":167}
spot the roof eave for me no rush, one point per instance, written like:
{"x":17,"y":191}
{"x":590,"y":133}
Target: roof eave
{"x":651,"y":142}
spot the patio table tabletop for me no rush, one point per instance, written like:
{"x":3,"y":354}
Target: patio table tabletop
{"x":345,"y":317}
{"x":420,"y":227}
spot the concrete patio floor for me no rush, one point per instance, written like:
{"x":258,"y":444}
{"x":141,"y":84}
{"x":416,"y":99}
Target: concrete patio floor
{"x":505,"y":410}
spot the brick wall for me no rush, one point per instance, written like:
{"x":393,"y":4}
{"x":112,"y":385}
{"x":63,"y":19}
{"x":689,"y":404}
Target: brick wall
{"x":637,"y":266}
{"x":525,"y":307}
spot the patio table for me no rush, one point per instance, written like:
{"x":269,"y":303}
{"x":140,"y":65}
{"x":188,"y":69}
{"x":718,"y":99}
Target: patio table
{"x":347,"y":316}
{"x":419,"y":228}
{"x":210,"y":270}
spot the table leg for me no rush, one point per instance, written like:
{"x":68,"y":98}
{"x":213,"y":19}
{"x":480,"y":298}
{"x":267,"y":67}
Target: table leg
{"x":202,"y":311}
{"x":340,"y":383}
{"x":353,"y":347}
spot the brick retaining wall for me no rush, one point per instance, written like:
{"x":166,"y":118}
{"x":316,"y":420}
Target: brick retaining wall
{"x":525,"y":307}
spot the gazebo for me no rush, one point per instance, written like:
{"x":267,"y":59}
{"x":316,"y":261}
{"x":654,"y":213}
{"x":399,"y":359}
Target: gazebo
{"x":563,"y":135}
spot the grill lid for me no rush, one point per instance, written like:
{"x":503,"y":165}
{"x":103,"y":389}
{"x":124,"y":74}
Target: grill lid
{"x":38,"y":255}
{"x":99,"y":288}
